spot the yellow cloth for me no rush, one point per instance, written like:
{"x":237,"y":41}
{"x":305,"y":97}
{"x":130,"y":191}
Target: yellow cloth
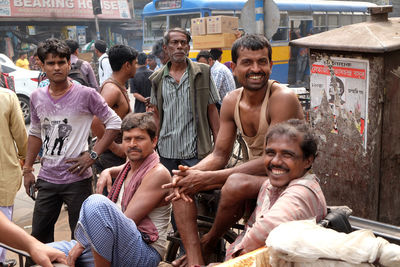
{"x":13,"y":142}
{"x":22,"y":63}
{"x":258,"y":258}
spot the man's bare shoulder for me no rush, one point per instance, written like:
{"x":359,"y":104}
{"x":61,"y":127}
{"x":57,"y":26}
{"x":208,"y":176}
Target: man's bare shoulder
{"x":283,"y":104}
{"x":231,"y":97}
{"x":159,"y":174}
{"x":110,"y":88}
{"x":280,"y":91}
{"x":229,"y":103}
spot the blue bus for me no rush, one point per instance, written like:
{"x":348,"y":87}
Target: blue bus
{"x":298,"y":18}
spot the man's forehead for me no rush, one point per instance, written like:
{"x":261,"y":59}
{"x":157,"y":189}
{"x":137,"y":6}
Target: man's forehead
{"x":243,"y":51}
{"x":290,"y":140}
{"x":54,"y":57}
{"x":135,"y":131}
{"x":177,"y":36}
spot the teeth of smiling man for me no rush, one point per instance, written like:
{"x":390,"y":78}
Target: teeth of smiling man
{"x":255,"y":77}
{"x":278,"y":171}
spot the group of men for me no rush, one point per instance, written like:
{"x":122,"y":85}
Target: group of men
{"x":193,"y":141}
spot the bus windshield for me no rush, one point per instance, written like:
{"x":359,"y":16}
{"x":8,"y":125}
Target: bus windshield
{"x":154,"y":27}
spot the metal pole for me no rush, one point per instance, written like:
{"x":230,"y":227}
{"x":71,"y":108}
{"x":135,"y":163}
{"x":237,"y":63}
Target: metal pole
{"x":96,"y":21}
{"x":259,"y":9}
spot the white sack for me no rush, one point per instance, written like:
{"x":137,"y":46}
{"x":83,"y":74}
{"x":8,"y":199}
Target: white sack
{"x":305,"y":241}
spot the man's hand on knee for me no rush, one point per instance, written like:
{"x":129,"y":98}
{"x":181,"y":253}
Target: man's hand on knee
{"x":105,"y":180}
{"x":74,"y":253}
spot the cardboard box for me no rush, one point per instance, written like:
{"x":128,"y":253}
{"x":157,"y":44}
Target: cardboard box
{"x":223,"y":40}
{"x":222,"y":24}
{"x":198,"y":26}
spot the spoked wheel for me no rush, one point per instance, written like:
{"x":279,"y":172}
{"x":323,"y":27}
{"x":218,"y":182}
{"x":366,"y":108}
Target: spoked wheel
{"x":239,"y":152}
{"x":174,"y":250}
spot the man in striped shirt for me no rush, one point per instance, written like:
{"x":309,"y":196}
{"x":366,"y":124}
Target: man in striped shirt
{"x":183,"y":98}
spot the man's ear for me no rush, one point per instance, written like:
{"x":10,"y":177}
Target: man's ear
{"x":154,"y":141}
{"x":233,"y":67}
{"x":309,"y":162}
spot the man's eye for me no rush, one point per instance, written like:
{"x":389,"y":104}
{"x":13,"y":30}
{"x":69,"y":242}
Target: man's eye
{"x":287,"y":155}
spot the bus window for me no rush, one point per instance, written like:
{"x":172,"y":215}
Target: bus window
{"x":283,"y":30}
{"x":319,"y":22}
{"x":359,"y":17}
{"x":182,"y":21}
{"x":346,"y":18}
{"x":333,"y":20}
{"x":225,"y":13}
{"x":154,"y":28}
{"x":298,"y":62}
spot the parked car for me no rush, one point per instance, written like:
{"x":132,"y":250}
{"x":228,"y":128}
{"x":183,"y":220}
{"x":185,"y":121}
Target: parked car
{"x":25,"y":82}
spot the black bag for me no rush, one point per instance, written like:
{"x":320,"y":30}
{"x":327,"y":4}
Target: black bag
{"x":76,"y":74}
{"x":7,"y":81}
{"x":337,"y":219}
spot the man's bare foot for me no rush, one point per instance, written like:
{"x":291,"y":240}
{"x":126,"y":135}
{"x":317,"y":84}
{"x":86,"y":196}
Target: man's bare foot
{"x":181,"y":262}
{"x":208,"y":245}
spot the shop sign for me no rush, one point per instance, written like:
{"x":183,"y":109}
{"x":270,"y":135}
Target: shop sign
{"x":112,"y":9}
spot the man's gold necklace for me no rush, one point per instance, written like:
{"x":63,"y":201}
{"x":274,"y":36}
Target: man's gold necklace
{"x":61,"y":93}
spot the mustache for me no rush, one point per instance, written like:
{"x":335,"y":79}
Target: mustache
{"x":272,"y":166}
{"x":136,"y":149}
{"x":255,"y":73}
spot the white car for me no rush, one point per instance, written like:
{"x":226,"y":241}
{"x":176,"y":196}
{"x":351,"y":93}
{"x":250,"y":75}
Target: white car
{"x":25,"y":82}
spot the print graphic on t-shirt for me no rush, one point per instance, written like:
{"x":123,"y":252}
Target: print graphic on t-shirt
{"x":56,"y":135}
{"x":47,"y":131}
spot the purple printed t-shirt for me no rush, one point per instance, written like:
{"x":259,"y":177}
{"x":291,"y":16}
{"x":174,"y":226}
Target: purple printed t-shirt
{"x":63,"y":125}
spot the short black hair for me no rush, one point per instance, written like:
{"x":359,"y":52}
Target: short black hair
{"x":143,"y":121}
{"x":216,"y":53}
{"x":101,"y":46}
{"x":185,"y":32}
{"x":293,"y":128}
{"x":157,"y":48}
{"x":72,"y":44}
{"x":251,"y":42}
{"x":151,"y":56}
{"x":141,"y":59}
{"x":55,"y":47}
{"x":203,"y":53}
{"x":119,"y":54}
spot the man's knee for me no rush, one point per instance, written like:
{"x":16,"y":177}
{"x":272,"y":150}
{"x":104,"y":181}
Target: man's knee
{"x":241,"y":186}
{"x":94,"y":203}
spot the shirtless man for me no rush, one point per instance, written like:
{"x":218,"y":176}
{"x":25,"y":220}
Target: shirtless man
{"x":123,"y":63}
{"x":251,"y":109}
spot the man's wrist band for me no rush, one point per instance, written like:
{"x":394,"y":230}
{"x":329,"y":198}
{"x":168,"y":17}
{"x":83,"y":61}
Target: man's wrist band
{"x":26,"y":170}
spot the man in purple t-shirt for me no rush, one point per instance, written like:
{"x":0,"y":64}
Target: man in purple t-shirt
{"x":61,"y":115}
